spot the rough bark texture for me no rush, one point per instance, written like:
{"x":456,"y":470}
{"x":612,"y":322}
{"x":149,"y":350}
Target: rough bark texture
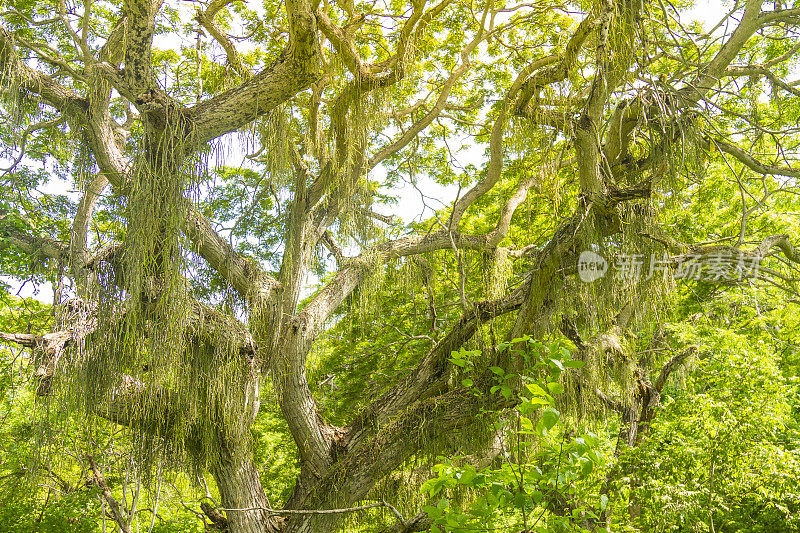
{"x":240,"y":488}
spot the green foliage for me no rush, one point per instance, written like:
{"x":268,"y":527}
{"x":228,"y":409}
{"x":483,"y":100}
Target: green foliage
{"x":723,"y":450}
{"x":275,"y":452}
{"x":542,"y":462}
{"x":74,"y":512}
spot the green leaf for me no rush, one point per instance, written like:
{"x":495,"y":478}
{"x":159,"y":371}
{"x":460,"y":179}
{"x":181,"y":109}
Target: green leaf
{"x":433,"y":512}
{"x":526,"y":407}
{"x":550,"y":418}
{"x":586,"y":467}
{"x":536,"y":389}
{"x":522,"y":500}
{"x":591,"y":439}
{"x":596,"y":457}
{"x":555,"y":388}
{"x":467,"y":382}
{"x":467,"y":477}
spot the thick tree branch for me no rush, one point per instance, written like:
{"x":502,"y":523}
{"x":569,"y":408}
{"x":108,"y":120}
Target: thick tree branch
{"x":55,"y":94}
{"x":709,"y":76}
{"x":627,"y":115}
{"x":32,"y":245}
{"x":671,"y":365}
{"x":27,"y":340}
{"x":759,"y":70}
{"x":294,"y":70}
{"x":780,"y":15}
{"x":79,"y":252}
{"x":751,"y":162}
{"x":428,"y":378}
{"x":495,"y":168}
{"x":559,"y":67}
{"x":373,"y":459}
{"x":139,"y":29}
{"x":206,"y":19}
{"x":343,"y":44}
{"x":245,"y":275}
{"x":113,"y":504}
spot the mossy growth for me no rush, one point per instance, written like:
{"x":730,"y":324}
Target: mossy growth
{"x":497,"y":272}
{"x":181,"y":376}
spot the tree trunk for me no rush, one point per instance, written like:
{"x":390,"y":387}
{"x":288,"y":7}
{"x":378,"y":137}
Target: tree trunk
{"x":240,"y":488}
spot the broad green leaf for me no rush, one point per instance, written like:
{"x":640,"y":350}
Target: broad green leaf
{"x":550,"y":418}
{"x":536,"y":389}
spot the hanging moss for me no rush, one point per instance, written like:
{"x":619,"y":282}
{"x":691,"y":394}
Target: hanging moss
{"x":355,"y":117}
{"x":369,"y":290}
{"x":11,"y":95}
{"x":172,"y":370}
{"x":178,"y":405}
{"x":275,"y":137}
{"x":625,"y":23}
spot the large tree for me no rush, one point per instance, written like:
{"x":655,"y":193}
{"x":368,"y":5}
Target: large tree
{"x":180,"y":274}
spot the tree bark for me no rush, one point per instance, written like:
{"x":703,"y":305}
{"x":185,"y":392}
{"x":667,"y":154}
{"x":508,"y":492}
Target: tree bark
{"x":240,"y":488}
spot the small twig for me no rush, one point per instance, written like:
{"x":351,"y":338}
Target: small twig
{"x":322,"y":511}
{"x":395,"y":512}
{"x":24,"y":140}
